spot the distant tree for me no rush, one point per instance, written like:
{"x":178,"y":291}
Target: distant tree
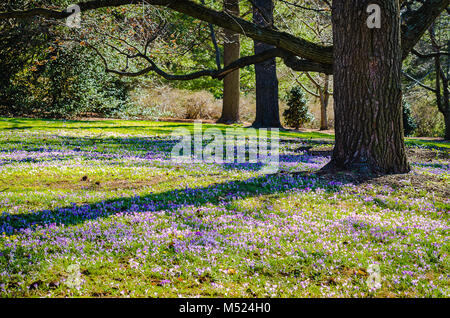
{"x":323,"y":92}
{"x":231,"y":82}
{"x":41,"y":76}
{"x":317,"y":26}
{"x":297,"y":113}
{"x":430,"y":67}
{"x":267,"y":107}
{"x":409,"y":124}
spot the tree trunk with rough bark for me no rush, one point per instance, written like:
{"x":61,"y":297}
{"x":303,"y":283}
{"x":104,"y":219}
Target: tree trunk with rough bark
{"x":367,"y":89}
{"x":231,"y":82}
{"x":267,"y":108}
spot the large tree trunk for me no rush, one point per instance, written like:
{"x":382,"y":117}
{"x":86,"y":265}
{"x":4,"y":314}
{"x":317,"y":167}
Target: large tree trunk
{"x":231,"y":83}
{"x":367,"y":89}
{"x":267,"y":109}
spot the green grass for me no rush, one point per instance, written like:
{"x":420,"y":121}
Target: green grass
{"x":104,"y":195}
{"x":428,"y":143}
{"x":130,"y":127}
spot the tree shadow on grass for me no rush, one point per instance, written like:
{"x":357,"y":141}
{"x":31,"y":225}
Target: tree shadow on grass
{"x":58,"y":148}
{"x":216,"y":194}
{"x":112,"y":148}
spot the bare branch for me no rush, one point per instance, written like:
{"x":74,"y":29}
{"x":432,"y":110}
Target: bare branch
{"x":418,"y":82}
{"x":303,"y":7}
{"x":415,"y":23}
{"x":428,"y":55}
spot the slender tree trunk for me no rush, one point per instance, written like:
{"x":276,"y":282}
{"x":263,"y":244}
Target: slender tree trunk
{"x":323,"y":114}
{"x":324,"y":99}
{"x":447,"y":125}
{"x":446,"y":113}
{"x":446,"y":105}
{"x":442,"y":98}
{"x":267,"y":108}
{"x":231,"y":82}
{"x":367,"y":89}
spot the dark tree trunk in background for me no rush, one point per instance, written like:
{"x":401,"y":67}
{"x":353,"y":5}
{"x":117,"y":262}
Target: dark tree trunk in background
{"x":267,"y":109}
{"x":324,"y":100}
{"x":447,"y":125}
{"x":367,"y":89}
{"x":442,"y":96}
{"x":231,"y":83}
{"x":446,"y":106}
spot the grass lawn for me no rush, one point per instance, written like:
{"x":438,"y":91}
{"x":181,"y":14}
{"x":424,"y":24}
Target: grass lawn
{"x":98,"y":209}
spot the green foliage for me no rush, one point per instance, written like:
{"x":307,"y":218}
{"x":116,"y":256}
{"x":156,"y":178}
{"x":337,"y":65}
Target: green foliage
{"x":429,"y":121}
{"x":409,"y":124}
{"x":201,"y":57}
{"x":44,"y":77}
{"x":297,"y":113}
{"x":62,"y":82}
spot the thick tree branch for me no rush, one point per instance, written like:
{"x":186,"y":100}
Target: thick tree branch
{"x":300,"y":65}
{"x":54,"y":14}
{"x":313,"y":56}
{"x":415,"y":23}
{"x":282,"y":40}
{"x":290,"y":60}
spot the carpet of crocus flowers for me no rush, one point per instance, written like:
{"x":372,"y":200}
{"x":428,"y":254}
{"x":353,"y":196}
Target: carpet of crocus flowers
{"x":98,"y":209}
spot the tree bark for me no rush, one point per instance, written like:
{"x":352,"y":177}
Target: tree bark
{"x":323,"y":115}
{"x":446,"y":113}
{"x":442,"y":99}
{"x":446,"y":106}
{"x":367,"y":89}
{"x":447,"y":125}
{"x":231,"y":82}
{"x":267,"y":108}
{"x":324,"y":99}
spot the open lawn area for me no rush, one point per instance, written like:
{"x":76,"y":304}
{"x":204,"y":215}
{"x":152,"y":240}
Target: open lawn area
{"x":98,"y":209}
